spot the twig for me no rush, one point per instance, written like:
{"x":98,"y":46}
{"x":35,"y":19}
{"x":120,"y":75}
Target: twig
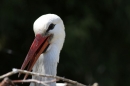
{"x":50,"y":76}
{"x":14,"y":71}
{"x":7,"y":74}
{"x":7,"y":82}
{"x":30,"y":80}
{"x":54,"y":80}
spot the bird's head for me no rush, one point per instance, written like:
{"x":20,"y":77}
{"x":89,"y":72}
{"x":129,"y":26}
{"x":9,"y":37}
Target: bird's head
{"x":48,"y":30}
{"x":49,"y":24}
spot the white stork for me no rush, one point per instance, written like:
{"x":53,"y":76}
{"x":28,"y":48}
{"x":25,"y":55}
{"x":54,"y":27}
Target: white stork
{"x":43,"y":56}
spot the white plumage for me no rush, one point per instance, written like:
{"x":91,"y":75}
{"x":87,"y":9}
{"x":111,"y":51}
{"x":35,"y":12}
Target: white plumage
{"x":48,"y":61}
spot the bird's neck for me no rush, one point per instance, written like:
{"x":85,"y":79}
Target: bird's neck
{"x":47,"y":62}
{"x":50,"y":60}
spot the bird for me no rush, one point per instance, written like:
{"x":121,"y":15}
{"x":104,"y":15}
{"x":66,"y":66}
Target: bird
{"x":43,"y":55}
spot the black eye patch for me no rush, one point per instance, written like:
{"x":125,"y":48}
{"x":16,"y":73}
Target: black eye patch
{"x":51,"y":26}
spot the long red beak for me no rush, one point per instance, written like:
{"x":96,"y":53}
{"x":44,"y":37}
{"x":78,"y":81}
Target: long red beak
{"x":39,"y":45}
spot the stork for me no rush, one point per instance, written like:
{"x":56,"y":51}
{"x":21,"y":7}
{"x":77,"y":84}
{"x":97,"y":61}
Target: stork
{"x":43,"y":55}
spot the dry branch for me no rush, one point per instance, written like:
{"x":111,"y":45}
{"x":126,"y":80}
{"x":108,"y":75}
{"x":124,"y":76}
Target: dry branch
{"x":14,"y":71}
{"x":30,"y":80}
{"x":7,"y":82}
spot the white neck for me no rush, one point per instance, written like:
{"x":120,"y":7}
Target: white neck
{"x":47,"y":62}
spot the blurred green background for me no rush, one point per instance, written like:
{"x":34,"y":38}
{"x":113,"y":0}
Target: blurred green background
{"x":97,"y":44}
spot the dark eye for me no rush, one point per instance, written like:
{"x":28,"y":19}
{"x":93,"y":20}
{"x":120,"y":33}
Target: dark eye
{"x":51,"y":26}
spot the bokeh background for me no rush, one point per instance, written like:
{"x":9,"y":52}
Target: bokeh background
{"x":97,"y":44}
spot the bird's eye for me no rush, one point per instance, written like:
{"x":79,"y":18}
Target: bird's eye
{"x":51,"y":26}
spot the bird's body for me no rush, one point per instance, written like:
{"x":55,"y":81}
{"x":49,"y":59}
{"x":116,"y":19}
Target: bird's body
{"x":51,"y":26}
